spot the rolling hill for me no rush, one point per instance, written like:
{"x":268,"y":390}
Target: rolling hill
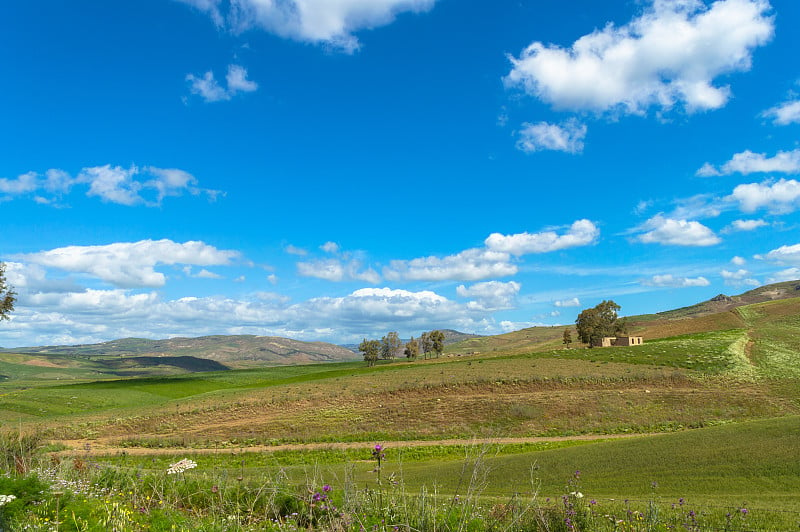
{"x":232,"y":351}
{"x":719,"y":313}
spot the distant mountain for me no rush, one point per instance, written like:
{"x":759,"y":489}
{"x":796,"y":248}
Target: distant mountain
{"x":233,"y":351}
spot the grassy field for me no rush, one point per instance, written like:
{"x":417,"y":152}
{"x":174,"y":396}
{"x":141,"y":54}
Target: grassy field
{"x":732,"y":377}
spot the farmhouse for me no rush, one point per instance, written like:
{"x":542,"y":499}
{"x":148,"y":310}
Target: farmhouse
{"x":608,"y":341}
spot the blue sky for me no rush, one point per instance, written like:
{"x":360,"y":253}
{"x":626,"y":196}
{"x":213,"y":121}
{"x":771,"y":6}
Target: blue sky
{"x":333,"y":170}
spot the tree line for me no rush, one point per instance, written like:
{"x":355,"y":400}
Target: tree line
{"x":390,"y":347}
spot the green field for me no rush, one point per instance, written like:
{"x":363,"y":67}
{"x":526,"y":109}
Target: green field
{"x":712,"y":400}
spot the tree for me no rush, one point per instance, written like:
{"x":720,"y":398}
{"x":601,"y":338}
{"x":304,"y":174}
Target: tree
{"x":595,"y":323}
{"x":412,"y":348}
{"x":437,"y":342}
{"x":371,"y":350}
{"x":425,"y":344}
{"x":7,"y":295}
{"x":567,"y":337}
{"x":390,"y":346}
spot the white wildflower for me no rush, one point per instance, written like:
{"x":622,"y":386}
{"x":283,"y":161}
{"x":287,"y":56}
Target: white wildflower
{"x":180,"y":467}
{"x":6,"y":499}
{"x":577,"y":494}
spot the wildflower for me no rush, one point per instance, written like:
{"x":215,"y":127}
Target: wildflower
{"x":577,"y":494}
{"x":182,"y":466}
{"x":6,"y":499}
{"x":744,"y":511}
{"x":326,"y":488}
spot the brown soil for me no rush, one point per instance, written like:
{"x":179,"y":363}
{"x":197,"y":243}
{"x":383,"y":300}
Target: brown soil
{"x":106,"y":448}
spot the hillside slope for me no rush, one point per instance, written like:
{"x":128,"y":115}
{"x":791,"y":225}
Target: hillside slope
{"x":234,"y":351}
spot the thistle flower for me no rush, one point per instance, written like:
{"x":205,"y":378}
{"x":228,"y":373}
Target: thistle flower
{"x":182,"y":466}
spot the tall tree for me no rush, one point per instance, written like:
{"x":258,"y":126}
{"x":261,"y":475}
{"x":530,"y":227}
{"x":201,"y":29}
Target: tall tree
{"x":425,"y":344}
{"x":602,"y":320}
{"x":412,"y":348}
{"x":371,"y":350}
{"x":390,"y":345}
{"x":7,"y":295}
{"x":437,"y":342}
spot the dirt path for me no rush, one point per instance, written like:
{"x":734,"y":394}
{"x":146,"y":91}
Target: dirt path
{"x":99,"y":448}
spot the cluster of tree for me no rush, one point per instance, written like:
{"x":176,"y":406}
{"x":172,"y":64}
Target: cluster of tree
{"x":391,"y":346}
{"x":595,"y":323}
{"x":7,"y":295}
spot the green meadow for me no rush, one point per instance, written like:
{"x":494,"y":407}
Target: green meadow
{"x":695,"y":430}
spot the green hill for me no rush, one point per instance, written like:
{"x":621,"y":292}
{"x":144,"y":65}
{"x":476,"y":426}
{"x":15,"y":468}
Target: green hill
{"x":231,"y":351}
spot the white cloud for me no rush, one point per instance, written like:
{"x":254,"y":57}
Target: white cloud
{"x":784,"y":114}
{"x":330,"y":247}
{"x":778,"y":197}
{"x":317,"y":21}
{"x":739,"y":278}
{"x":738,"y":261}
{"x":272,"y":278}
{"x":208,"y":88}
{"x":23,"y":184}
{"x":670,"y":54}
{"x":294,"y":250}
{"x":574,"y":302}
{"x":490,"y":296}
{"x":580,"y":233}
{"x":90,"y":315}
{"x":237,"y":80}
{"x":789,"y":274}
{"x":205,"y":274}
{"x":336,"y":270}
{"x":668,"y":231}
{"x":131,"y":264}
{"x":469,"y":265}
{"x":745,"y":225}
{"x":113,"y":184}
{"x":174,"y":182}
{"x":789,"y":255}
{"x":748,"y":162}
{"x":567,"y":137}
{"x":671,"y":281}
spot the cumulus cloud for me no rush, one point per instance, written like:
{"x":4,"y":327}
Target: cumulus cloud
{"x":580,"y":233}
{"x":669,"y":55}
{"x":91,"y":315}
{"x":789,"y":255}
{"x":112,"y":184}
{"x":739,"y":277}
{"x":748,"y":162}
{"x":671,"y":281}
{"x":567,"y":137}
{"x":330,"y":247}
{"x":745,"y":225}
{"x":337,"y":270}
{"x":315,"y":21}
{"x":777,"y":197}
{"x":784,"y":114}
{"x":131,"y":264}
{"x":668,"y":231}
{"x":574,"y":302}
{"x":738,"y":261}
{"x":469,"y":265}
{"x":789,"y":274}
{"x":490,"y":296}
{"x":208,"y":88}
